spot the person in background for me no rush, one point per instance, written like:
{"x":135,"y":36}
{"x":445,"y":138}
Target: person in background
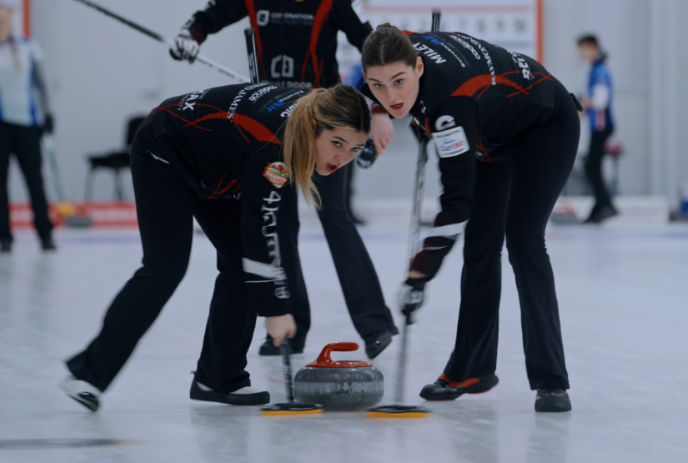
{"x":24,"y":113}
{"x":296,"y":44}
{"x":597,"y":104}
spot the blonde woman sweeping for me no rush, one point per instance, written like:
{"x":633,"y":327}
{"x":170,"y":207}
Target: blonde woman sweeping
{"x":221,"y":155}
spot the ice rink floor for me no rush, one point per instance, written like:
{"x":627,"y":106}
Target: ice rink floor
{"x":623,"y":295}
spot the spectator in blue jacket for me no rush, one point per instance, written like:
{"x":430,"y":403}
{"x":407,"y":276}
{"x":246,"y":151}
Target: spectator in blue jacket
{"x":23,"y":115}
{"x":597,"y":104}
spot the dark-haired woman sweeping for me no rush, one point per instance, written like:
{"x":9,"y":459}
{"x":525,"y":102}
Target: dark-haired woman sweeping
{"x":222,"y":156}
{"x":506,"y":133}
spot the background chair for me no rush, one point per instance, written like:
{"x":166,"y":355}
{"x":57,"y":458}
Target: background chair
{"x":615,"y":150}
{"x":114,"y":161}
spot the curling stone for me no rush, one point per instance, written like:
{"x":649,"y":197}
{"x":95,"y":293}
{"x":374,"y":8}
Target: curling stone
{"x":343,"y":385}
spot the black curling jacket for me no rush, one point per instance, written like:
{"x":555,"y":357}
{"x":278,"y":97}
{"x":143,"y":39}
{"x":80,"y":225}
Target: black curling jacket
{"x":478,"y":100}
{"x":296,"y":41}
{"x":226,"y":144}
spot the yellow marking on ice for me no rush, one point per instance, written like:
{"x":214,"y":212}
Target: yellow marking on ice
{"x":290,"y":412}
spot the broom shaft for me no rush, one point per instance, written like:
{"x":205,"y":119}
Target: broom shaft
{"x":154,"y":35}
{"x":286,"y":363}
{"x":415,"y":231}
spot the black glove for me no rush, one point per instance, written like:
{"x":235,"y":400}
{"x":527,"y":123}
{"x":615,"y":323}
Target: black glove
{"x":48,"y":124}
{"x":411,"y":297}
{"x":47,"y":127}
{"x":368,"y":155}
{"x":185,"y":47}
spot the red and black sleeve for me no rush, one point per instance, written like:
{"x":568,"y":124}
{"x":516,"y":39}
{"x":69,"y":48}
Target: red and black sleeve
{"x":452,"y":125}
{"x":217,"y":15}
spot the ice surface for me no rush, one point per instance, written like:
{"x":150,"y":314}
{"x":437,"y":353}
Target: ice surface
{"x":623,"y":297}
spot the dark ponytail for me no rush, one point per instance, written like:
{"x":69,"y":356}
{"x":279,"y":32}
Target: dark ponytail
{"x":385,"y":45}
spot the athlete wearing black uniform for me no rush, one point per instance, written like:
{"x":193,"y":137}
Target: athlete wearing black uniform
{"x":506,"y":134}
{"x":296,"y":43}
{"x":217,"y":155}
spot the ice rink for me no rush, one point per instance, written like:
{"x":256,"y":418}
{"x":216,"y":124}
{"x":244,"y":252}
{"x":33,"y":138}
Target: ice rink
{"x":623,"y":295}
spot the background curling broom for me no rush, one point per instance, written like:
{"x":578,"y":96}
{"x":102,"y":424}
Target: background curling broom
{"x":74,"y":216}
{"x":154,"y":35}
{"x":397,"y":410}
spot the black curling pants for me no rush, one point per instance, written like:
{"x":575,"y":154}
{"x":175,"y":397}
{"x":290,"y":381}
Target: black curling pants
{"x":355,"y":270}
{"x":515,"y":198}
{"x":165,"y":208}
{"x":593,"y":168}
{"x":24,"y":142}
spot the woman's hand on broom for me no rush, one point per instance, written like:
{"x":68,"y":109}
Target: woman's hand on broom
{"x":280,"y":327}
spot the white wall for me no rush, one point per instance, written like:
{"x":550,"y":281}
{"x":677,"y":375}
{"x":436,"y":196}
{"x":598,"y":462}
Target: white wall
{"x":622,"y":28}
{"x":648,"y":65}
{"x":103,"y":72}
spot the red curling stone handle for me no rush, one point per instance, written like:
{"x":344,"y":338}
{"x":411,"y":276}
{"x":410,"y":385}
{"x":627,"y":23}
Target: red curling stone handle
{"x":325,"y":361}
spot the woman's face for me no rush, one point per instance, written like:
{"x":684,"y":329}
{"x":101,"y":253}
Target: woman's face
{"x":588,"y":52}
{"x":336,"y":148}
{"x":395,"y":85}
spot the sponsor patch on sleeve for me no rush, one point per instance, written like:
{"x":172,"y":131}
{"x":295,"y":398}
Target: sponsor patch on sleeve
{"x":276,"y":173}
{"x":451,"y":142}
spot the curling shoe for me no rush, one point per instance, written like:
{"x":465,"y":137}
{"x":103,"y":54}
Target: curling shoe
{"x":47,"y":245}
{"x":269,"y":349}
{"x":376,"y":342}
{"x":602,"y":214}
{"x":6,"y":245}
{"x":244,"y":396}
{"x":552,"y":400}
{"x":81,"y":391}
{"x":446,"y":389}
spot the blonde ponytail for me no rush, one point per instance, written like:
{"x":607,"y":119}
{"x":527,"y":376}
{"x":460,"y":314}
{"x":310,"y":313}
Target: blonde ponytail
{"x":299,"y":146}
{"x":323,"y":109}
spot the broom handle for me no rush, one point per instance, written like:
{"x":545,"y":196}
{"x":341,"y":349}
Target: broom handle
{"x":415,"y":232}
{"x":49,"y":145}
{"x":287,"y":370}
{"x":154,"y":35}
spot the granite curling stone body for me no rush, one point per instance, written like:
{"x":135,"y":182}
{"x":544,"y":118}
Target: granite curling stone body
{"x":339,"y":385}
